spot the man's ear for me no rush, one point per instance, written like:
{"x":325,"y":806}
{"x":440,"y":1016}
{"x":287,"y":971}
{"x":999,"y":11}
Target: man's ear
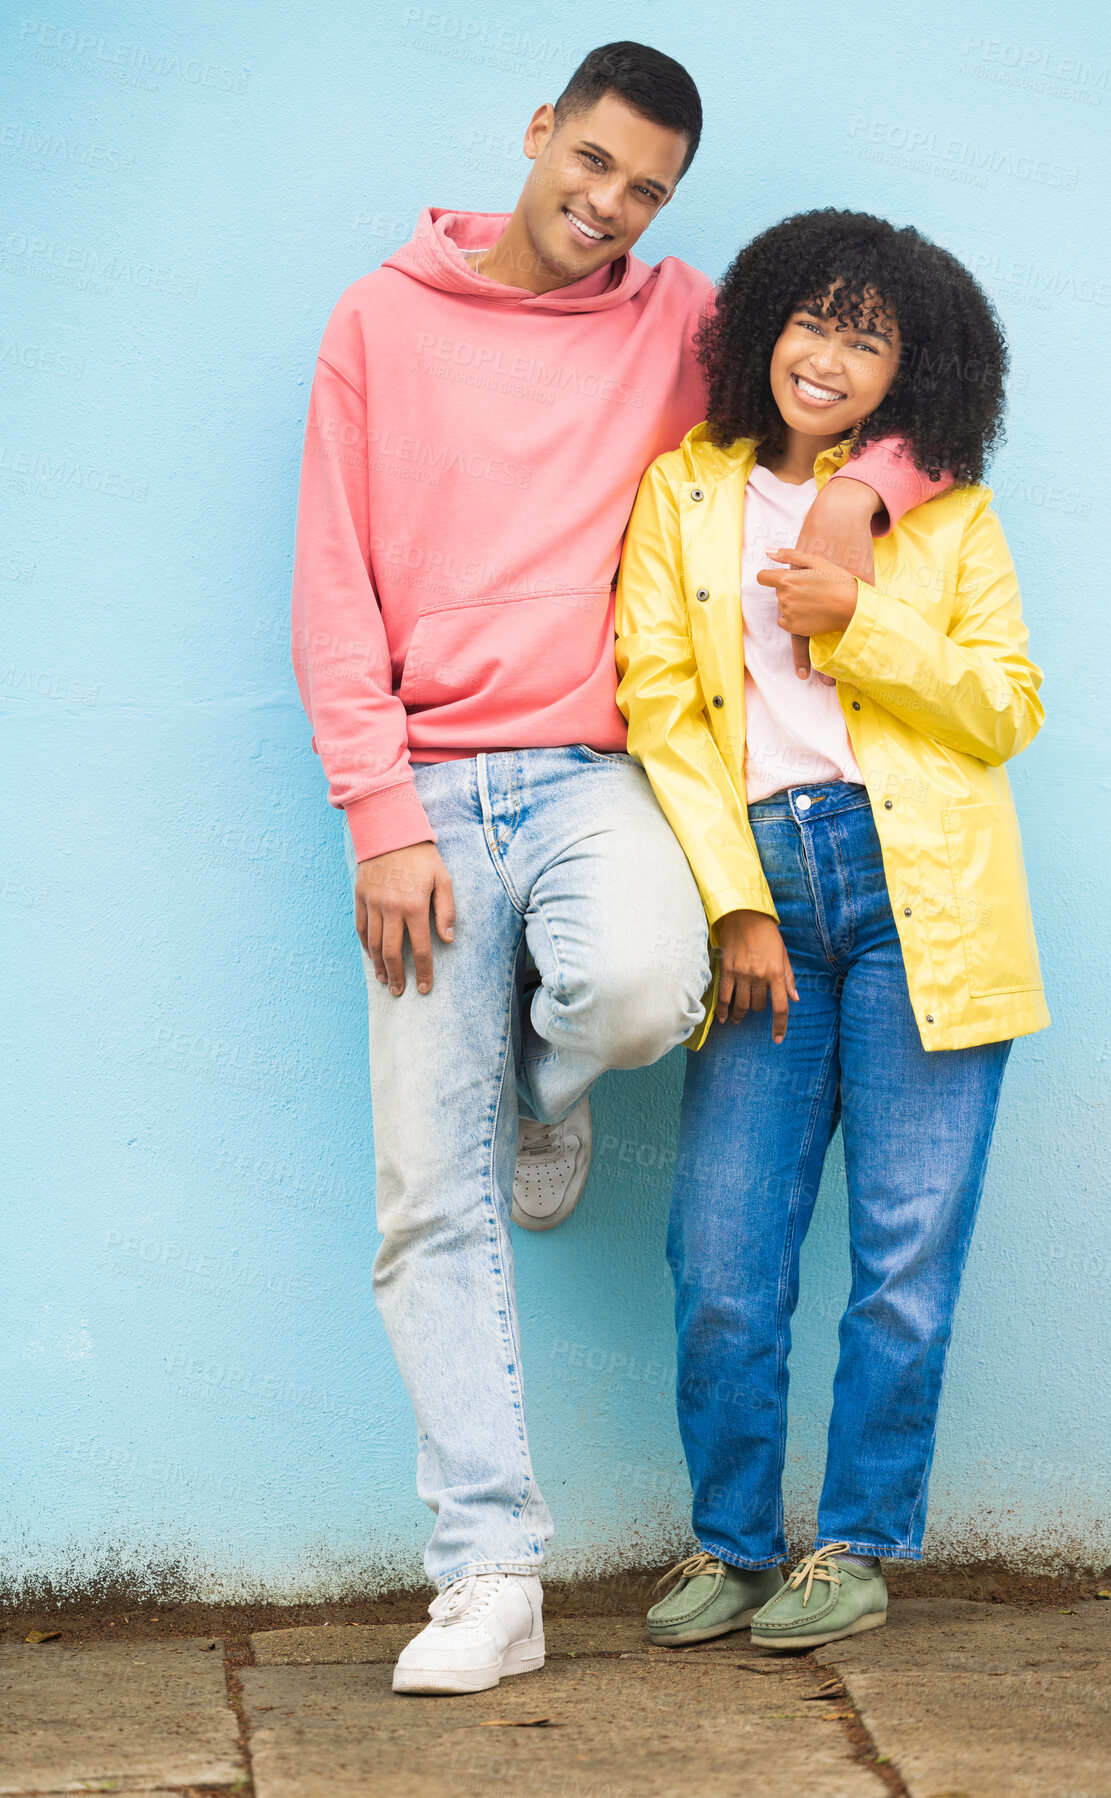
{"x":540,"y":128}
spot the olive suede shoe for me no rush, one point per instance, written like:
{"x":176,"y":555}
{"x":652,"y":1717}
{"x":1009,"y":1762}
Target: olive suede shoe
{"x":711,"y":1599}
{"x":822,"y":1600}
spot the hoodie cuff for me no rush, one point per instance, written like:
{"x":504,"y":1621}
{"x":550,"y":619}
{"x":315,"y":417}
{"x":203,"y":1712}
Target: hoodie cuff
{"x":888,"y":468}
{"x":391,"y":819}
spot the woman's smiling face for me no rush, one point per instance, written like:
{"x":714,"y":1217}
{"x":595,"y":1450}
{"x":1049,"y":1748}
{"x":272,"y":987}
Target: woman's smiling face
{"x":826,"y":375}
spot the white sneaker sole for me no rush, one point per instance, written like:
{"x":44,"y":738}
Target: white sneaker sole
{"x":519,"y":1657}
{"x":870,"y":1620}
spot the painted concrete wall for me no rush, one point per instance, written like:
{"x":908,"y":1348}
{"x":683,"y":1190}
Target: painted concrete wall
{"x":197,"y":1387}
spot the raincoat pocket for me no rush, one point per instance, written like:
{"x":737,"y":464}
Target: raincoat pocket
{"x":989,"y":881}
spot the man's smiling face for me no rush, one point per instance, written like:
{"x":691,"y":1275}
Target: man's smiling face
{"x":597,"y":181}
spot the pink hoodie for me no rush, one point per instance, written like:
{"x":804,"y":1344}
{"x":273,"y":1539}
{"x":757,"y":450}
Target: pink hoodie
{"x":472,"y":454}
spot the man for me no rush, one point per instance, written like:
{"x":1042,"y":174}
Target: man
{"x":483,"y":409}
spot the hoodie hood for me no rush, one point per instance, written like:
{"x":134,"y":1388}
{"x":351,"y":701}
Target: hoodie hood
{"x":434,"y":256}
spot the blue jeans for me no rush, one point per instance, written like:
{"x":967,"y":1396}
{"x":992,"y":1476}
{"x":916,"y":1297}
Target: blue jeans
{"x":757,"y":1120}
{"x":565,"y":852}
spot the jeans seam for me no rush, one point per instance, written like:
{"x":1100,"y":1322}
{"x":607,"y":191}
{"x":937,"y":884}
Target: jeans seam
{"x":887,"y":1551}
{"x":731,"y":1560}
{"x":558,"y":983}
{"x":927,"y":1461}
{"x":492,"y":849}
{"x":784,"y":1280}
{"x":815,"y":886}
{"x":467,"y":1568}
{"x":506,"y":1309}
{"x":846,"y":890}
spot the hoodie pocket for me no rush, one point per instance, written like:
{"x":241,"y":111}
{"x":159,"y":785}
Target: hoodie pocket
{"x":507,"y":656}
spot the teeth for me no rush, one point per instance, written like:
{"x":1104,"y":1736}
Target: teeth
{"x":599,"y":236}
{"x":817,"y":393}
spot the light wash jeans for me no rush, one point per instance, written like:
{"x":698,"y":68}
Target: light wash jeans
{"x":757,"y":1121}
{"x":565,"y":851}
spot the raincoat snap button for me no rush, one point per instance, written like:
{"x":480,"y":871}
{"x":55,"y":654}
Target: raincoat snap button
{"x":697,"y":493}
{"x":718,"y":700}
{"x":887,"y":804}
{"x":906,"y":911}
{"x":856,"y":705}
{"x":929,"y":1018}
{"x":703,"y":593}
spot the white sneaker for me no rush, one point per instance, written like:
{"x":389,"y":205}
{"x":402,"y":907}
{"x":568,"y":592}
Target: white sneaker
{"x":483,"y":1627}
{"x":552,"y":1165}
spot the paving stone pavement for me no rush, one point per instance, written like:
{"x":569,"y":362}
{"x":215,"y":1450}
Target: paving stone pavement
{"x":383,"y":1642}
{"x":638,"y":1727}
{"x":145,"y":1718}
{"x":965,"y":1700}
{"x":986,"y":1701}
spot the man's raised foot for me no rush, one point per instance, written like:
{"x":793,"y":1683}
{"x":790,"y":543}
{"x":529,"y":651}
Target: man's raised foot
{"x":552,"y":1164}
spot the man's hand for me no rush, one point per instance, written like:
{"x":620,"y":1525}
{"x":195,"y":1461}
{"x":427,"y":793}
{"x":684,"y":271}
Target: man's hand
{"x":814,"y":595}
{"x":838,"y":526}
{"x":753,"y":964}
{"x":393,"y":894}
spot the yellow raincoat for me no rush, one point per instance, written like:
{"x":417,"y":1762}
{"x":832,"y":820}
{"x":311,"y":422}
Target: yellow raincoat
{"x":937,"y":691}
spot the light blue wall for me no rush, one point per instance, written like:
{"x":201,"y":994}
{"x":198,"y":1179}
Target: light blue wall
{"x":197,"y":1383}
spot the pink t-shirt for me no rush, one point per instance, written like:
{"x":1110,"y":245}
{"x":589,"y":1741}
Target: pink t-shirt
{"x":794,"y":731}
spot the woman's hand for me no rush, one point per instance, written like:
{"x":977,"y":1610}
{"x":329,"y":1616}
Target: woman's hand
{"x":753,"y":964}
{"x":839,"y":527}
{"x":814,"y":594}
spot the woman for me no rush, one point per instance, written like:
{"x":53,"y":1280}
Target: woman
{"x":858,"y":855}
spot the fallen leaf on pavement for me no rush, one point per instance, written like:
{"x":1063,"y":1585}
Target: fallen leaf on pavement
{"x":516,"y":1723}
{"x":207,"y":1647}
{"x":1104,"y":1592}
{"x":43,"y":1635}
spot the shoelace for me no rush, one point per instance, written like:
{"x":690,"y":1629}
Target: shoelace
{"x":539,"y":1142}
{"x":819,"y":1565}
{"x":462,"y":1601}
{"x":690,"y":1568}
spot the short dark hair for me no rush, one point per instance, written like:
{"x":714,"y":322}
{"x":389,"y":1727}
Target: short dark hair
{"x":653,"y":84}
{"x":946,"y":399}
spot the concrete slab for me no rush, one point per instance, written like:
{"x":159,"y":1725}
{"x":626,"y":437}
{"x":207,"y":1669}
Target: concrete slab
{"x":639,"y":1728}
{"x":944,"y":1632}
{"x":148,"y":1717}
{"x":986,"y":1701}
{"x":321,"y":1644}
